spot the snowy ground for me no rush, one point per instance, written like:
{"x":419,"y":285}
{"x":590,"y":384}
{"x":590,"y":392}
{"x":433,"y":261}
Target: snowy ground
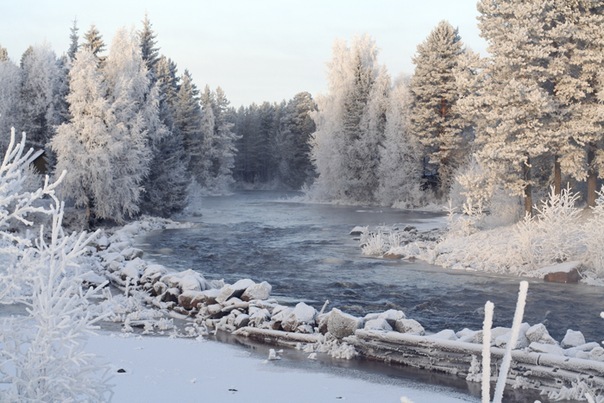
{"x":161,"y":369}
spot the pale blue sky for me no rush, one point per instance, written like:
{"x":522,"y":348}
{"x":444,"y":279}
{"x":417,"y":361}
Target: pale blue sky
{"x":256,"y":50}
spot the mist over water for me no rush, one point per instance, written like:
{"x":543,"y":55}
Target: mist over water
{"x":306,"y":253}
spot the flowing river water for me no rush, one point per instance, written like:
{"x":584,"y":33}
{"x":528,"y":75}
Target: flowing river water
{"x":306,"y":253}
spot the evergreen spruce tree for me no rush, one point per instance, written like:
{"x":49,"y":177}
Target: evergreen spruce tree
{"x":434,"y":115}
{"x":94,"y":42}
{"x":148,"y":42}
{"x":39,"y":75}
{"x":224,"y":148}
{"x":74,"y":39}
{"x":187,"y":119}
{"x":10,"y":87}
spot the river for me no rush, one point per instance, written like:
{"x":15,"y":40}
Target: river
{"x":306,"y":253}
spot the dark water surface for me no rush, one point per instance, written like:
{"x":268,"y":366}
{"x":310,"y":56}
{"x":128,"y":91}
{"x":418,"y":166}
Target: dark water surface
{"x":304,"y":251}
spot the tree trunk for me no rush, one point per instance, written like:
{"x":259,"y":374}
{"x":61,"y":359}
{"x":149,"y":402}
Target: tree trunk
{"x":528,"y":187}
{"x":557,"y":176}
{"x":592,"y":177}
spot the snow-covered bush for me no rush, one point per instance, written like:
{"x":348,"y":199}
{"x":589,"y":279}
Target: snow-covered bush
{"x":553,"y":234}
{"x":42,"y":356}
{"x":593,"y":230}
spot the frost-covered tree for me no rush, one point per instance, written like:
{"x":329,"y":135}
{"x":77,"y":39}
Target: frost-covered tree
{"x":434,"y":115}
{"x":167,"y":181}
{"x":39,"y":75}
{"x":350,"y":124}
{"x":208,"y":123}
{"x":577,"y":83}
{"x":512,"y":106}
{"x":42,"y":356}
{"x":148,"y":43}
{"x":134,"y":103}
{"x":293,"y":141}
{"x":74,"y":39}
{"x":401,"y":165}
{"x":223,"y":145}
{"x":83,"y":144}
{"x":187,"y":118}
{"x":10,"y":87}
{"x":93,"y":41}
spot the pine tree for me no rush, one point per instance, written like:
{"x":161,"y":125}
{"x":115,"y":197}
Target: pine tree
{"x":293,"y":141}
{"x":94,"y":42}
{"x":434,"y":116}
{"x":204,"y":172}
{"x":39,"y":75}
{"x":223,"y":146}
{"x":148,"y":42}
{"x":74,"y":40}
{"x":514,"y":106}
{"x":187,"y":119}
{"x":10,"y":87}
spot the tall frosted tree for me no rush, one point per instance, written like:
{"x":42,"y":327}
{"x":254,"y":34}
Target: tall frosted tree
{"x":293,"y":141}
{"x":10,"y":86}
{"x":187,"y":119}
{"x":223,"y":146}
{"x":203,"y":175}
{"x":39,"y":75}
{"x":166,"y":183}
{"x":93,"y":41}
{"x":434,"y":115}
{"x":401,"y":165}
{"x":74,"y":40}
{"x":83,"y":146}
{"x":350,"y":124}
{"x":513,"y":107}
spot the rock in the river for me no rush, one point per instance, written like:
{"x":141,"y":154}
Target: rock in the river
{"x":521,"y":342}
{"x":234,"y":290}
{"x":538,"y":334}
{"x":341,"y":324}
{"x":190,"y":299}
{"x":573,"y":338}
{"x":378,"y":324}
{"x":242,"y":320}
{"x":446,"y":334}
{"x":567,"y":272}
{"x":259,"y":291}
{"x":302,"y":314}
{"x":409,"y":326}
{"x":131,"y":253}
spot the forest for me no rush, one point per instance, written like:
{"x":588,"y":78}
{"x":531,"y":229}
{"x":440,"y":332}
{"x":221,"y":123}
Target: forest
{"x":138,"y":136}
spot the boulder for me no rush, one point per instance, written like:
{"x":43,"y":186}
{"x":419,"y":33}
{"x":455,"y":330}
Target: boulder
{"x":302,"y":314}
{"x":234,"y":290}
{"x":258,"y":316}
{"x":582,"y":350}
{"x":380,"y":324}
{"x":242,"y":320}
{"x":190,"y":299}
{"x":259,"y":291}
{"x":573,"y":338}
{"x":597,"y":354}
{"x":467,"y":335}
{"x":538,"y":334}
{"x":567,"y":272}
{"x":133,"y":269}
{"x":446,"y":334}
{"x":131,"y":253}
{"x":409,"y":326}
{"x":358,"y":230}
{"x":340,"y":324}
{"x":521,"y":342}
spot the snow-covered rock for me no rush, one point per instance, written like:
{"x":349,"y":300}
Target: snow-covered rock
{"x":358,"y":230}
{"x":242,"y":320}
{"x":301,"y":315}
{"x":133,"y":269}
{"x":582,"y":350}
{"x":234,"y":290}
{"x":257,"y":291}
{"x":567,"y":272}
{"x":597,"y":354}
{"x":522,"y":342}
{"x":467,"y":335}
{"x":573,"y":338}
{"x":131,"y":253}
{"x":410,"y":326}
{"x":258,"y":316}
{"x":538,"y":334}
{"x":378,"y":324}
{"x":190,"y":299}
{"x":340,"y":324}
{"x":446,"y":334}
{"x":187,"y":280}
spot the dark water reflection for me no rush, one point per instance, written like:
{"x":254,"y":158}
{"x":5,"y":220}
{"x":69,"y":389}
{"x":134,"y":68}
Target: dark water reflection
{"x":305,"y":252}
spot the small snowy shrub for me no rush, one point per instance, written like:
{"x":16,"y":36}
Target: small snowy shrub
{"x":42,"y":356}
{"x":552,"y":236}
{"x":374,"y":243}
{"x":593,"y":231}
